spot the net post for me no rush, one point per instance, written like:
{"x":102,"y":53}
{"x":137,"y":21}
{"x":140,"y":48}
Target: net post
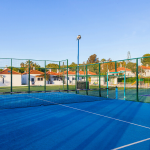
{"x":116,"y":92}
{"x":99,"y":80}
{"x":137,"y":88}
{"x":11,"y":76}
{"x":115,"y":66}
{"x":67,"y":77}
{"x":29,"y":78}
{"x":45,"y":78}
{"x":86,"y":81}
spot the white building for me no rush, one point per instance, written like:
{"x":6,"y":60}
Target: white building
{"x":54,"y":78}
{"x":146,"y":70}
{"x":93,"y":79}
{"x":36,"y":78}
{"x":5,"y":78}
{"x":123,"y":70}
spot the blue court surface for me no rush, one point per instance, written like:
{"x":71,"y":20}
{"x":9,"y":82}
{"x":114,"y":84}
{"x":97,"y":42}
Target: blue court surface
{"x":92,"y":125}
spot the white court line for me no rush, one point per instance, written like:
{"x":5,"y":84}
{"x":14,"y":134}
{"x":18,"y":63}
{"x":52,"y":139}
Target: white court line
{"x":94,"y":113}
{"x":131,"y":144}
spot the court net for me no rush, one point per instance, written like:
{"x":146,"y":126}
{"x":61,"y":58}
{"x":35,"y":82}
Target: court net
{"x":41,"y":98}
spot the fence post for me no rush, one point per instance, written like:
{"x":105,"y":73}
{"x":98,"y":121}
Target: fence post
{"x":115,"y":66}
{"x":99,"y":80}
{"x":76,"y":81}
{"x":125,"y":85}
{"x":45,"y":78}
{"x":86,"y":81}
{"x":107,"y":81}
{"x":67,"y":77}
{"x":11,"y":75}
{"x":59,"y":76}
{"x":29,"y":78}
{"x":63,"y":76}
{"x":137,"y":84}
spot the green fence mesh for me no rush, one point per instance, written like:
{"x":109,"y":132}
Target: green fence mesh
{"x":124,"y":79}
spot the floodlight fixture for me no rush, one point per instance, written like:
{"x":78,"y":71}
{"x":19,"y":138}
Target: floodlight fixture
{"x":78,"y":37}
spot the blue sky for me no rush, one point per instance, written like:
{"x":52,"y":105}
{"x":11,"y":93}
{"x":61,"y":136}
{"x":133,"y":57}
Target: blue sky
{"x":48,"y":29}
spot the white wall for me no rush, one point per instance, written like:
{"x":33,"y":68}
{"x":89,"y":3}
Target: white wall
{"x":96,"y":80}
{"x":130,"y":73}
{"x":58,"y":82}
{"x":147,"y":72}
{"x":36,"y":82}
{"x":16,"y":80}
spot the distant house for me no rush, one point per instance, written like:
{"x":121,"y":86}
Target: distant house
{"x":36,"y":77}
{"x":5,"y":78}
{"x":146,"y":69}
{"x":93,"y":80}
{"x":123,"y":70}
{"x":128,"y":72}
{"x":54,"y":78}
{"x":71,"y":76}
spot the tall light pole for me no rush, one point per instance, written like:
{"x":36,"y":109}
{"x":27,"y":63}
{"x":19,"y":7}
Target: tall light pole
{"x":78,"y":38}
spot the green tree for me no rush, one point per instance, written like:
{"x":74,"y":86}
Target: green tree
{"x":32,"y":65}
{"x":93,"y":59}
{"x":73,"y":66}
{"x":132,"y":66}
{"x":53,"y":66}
{"x":145,"y":61}
{"x":103,"y":60}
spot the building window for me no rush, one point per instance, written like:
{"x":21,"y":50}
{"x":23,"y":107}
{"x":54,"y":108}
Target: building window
{"x":3,"y":80}
{"x":73,"y":78}
{"x":68,"y":78}
{"x":38,"y":79}
{"x":32,"y":79}
{"x":41,"y":79}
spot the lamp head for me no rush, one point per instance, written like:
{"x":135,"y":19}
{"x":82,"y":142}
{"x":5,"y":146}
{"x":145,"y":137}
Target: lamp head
{"x":78,"y":37}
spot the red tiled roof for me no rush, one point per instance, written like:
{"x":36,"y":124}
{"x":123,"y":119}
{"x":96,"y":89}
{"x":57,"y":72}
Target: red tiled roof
{"x":8,"y":71}
{"x":52,"y":73}
{"x":120,"y":69}
{"x":69,"y":72}
{"x":39,"y":76}
{"x":89,"y":73}
{"x":34,"y":72}
{"x":144,"y":67}
{"x":80,"y":73}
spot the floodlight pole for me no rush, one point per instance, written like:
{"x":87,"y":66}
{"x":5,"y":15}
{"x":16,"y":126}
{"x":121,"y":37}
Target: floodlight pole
{"x":78,"y":38}
{"x":78,"y":62}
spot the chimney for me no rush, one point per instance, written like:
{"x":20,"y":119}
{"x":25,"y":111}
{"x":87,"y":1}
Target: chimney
{"x":57,"y":71}
{"x":49,"y":70}
{"x":68,"y":69}
{"x":80,"y":69}
{"x":146,"y":65}
{"x":120,"y":65}
{"x":87,"y":69}
{"x":5,"y":67}
{"x":33,"y":68}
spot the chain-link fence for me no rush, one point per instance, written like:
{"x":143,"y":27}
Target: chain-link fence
{"x":124,"y":79}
